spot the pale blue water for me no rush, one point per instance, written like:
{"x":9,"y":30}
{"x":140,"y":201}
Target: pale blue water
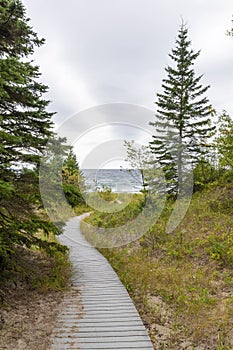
{"x":116,"y":179}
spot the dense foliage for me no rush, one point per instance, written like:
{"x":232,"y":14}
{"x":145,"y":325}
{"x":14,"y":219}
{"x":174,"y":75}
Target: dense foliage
{"x":73,"y":180}
{"x":224,"y":141}
{"x":25,"y":126}
{"x":25,"y":133}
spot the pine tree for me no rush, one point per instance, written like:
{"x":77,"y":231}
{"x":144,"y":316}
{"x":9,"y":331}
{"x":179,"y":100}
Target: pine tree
{"x":61,"y":181}
{"x":24,"y":122}
{"x":25,"y":127}
{"x":183,"y":116}
{"x":73,"y":180}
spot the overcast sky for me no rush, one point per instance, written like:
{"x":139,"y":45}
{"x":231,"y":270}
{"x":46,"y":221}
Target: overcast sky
{"x":107,"y":51}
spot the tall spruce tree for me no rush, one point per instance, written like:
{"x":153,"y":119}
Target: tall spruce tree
{"x":25,"y":126}
{"x":183,"y":122}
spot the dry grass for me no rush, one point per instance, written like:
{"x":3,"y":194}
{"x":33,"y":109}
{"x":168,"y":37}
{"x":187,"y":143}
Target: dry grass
{"x":187,"y":274}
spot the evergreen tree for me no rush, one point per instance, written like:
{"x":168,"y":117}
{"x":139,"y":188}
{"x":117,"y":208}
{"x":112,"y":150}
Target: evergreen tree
{"x":24,"y":122}
{"x":224,"y":141}
{"x":182,"y":122}
{"x":25,"y":127}
{"x":61,"y":180}
{"x":71,"y":173}
{"x":73,"y":180}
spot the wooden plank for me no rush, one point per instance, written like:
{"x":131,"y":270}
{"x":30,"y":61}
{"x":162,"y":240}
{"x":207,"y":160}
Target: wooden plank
{"x":109,"y":319}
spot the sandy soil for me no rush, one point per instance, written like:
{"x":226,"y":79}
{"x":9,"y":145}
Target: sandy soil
{"x":29,"y":318}
{"x":28,"y":315}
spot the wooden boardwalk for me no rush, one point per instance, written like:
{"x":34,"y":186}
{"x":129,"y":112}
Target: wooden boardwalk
{"x":109,"y":319}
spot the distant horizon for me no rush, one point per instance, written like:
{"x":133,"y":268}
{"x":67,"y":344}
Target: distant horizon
{"x":119,"y":180}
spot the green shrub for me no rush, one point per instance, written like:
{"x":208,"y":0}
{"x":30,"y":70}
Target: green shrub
{"x":221,"y":248}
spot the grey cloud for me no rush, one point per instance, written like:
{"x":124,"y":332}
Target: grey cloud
{"x":120,"y":48}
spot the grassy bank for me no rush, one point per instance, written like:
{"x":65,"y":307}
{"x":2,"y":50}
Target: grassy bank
{"x":182,"y":282}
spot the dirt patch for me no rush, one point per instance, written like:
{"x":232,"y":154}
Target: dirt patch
{"x":28,"y":313}
{"x":29,"y":318}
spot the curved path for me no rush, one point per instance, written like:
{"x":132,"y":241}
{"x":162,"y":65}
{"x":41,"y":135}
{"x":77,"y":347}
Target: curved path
{"x":109,"y":320}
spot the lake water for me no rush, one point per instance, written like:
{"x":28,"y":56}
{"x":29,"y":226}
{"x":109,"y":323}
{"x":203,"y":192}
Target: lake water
{"x":116,"y":179}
